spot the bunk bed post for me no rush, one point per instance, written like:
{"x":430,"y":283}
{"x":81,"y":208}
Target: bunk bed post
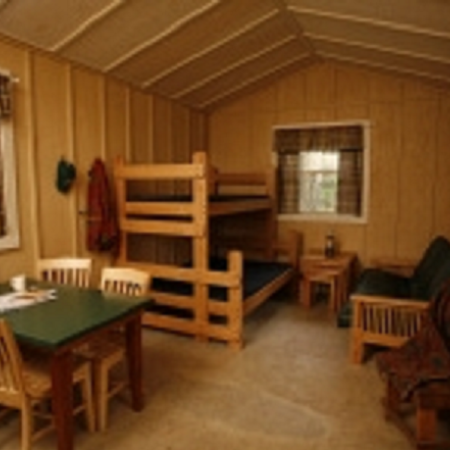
{"x":120,"y":187}
{"x":212,"y":180}
{"x":235,"y":300}
{"x":271,"y":222}
{"x":294,"y":251}
{"x":200,"y":246}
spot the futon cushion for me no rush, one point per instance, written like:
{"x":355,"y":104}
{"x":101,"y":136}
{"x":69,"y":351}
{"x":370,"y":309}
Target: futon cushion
{"x":432,"y":270}
{"x":382,"y":283}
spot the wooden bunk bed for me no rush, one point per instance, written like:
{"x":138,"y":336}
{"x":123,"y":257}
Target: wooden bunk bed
{"x":201,"y":294}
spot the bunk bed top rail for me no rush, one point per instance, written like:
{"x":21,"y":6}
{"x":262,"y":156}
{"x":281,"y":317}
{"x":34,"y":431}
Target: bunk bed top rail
{"x":158,"y":171}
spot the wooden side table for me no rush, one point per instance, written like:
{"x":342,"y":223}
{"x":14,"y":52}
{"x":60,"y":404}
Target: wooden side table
{"x":334,"y":272}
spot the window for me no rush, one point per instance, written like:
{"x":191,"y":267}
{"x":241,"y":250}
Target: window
{"x":9,"y":231}
{"x":322,"y":170}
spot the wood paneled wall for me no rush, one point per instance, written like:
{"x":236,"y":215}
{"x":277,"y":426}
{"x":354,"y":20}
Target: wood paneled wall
{"x":409,"y":156}
{"x":62,"y":110}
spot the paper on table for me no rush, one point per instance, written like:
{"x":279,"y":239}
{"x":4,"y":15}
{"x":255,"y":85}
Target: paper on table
{"x":15,"y":300}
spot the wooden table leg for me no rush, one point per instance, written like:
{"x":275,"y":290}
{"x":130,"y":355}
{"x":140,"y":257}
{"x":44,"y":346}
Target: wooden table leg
{"x":134,"y":357}
{"x":62,"y":398}
{"x":305,"y":292}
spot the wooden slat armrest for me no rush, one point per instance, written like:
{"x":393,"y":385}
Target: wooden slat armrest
{"x":391,"y":301}
{"x":383,"y":321}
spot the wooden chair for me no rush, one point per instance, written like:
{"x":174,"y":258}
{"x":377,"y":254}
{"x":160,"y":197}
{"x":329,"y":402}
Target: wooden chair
{"x":73,"y":271}
{"x":109,"y":352}
{"x":25,"y":385}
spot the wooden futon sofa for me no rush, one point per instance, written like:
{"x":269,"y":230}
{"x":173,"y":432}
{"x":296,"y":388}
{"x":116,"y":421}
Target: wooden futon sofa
{"x":387,"y":308}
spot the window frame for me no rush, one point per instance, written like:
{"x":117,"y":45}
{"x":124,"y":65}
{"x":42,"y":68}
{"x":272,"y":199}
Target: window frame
{"x":332,"y":217}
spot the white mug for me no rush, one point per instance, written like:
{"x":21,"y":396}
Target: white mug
{"x":18,"y":283}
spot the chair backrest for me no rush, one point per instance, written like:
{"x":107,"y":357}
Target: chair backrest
{"x":125,"y":280}
{"x":12,"y":391}
{"x":73,"y":271}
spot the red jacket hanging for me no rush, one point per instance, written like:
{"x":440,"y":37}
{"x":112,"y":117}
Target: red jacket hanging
{"x":102,"y":230}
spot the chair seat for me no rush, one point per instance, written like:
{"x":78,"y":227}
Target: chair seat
{"x":103,"y":347}
{"x":38,"y":382}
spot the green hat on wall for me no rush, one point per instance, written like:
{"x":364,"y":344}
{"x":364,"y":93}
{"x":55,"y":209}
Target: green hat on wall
{"x":65,"y":176}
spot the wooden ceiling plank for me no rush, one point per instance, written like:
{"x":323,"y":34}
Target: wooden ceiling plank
{"x":378,"y":22}
{"x":213,"y":27}
{"x":191,"y":58}
{"x":247,"y":71}
{"x":355,"y":31}
{"x":88,"y":24}
{"x":390,"y":68}
{"x":428,"y":70}
{"x":296,"y":60}
{"x":370,"y":46}
{"x":170,"y":30}
{"x":291,"y":22}
{"x":263,"y":82}
{"x":230,"y":67}
{"x":256,"y":40}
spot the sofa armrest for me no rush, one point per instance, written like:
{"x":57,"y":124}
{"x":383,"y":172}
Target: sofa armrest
{"x":383,"y":321}
{"x":391,"y":302}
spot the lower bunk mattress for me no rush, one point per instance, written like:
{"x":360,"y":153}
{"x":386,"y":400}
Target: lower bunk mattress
{"x":256,"y":275}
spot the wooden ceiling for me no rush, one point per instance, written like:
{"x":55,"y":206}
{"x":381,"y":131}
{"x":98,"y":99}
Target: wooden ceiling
{"x":203,"y":53}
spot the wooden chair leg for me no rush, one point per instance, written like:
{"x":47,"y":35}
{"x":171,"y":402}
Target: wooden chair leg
{"x":101,"y":396}
{"x":87,"y":398}
{"x":27,"y":427}
{"x":105,"y":388}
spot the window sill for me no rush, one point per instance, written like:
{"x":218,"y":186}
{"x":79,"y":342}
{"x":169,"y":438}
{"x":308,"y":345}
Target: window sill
{"x":335,"y":218}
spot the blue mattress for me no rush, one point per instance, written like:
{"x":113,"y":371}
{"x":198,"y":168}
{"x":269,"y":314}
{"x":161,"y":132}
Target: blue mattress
{"x":256,"y":275}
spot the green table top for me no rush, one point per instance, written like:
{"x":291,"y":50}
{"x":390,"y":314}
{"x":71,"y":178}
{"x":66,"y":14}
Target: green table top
{"x":72,"y":314}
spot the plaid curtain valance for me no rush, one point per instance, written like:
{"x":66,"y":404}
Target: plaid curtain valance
{"x":320,"y":138}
